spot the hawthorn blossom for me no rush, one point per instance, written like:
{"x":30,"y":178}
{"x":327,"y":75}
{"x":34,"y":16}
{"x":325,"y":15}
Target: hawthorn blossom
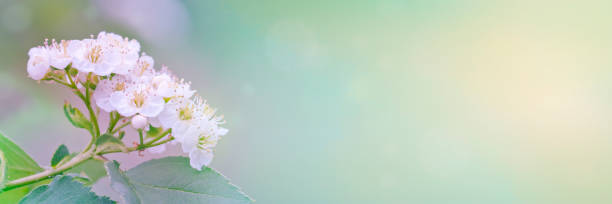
{"x":38,"y":64}
{"x":91,"y":55}
{"x":143,"y":69}
{"x":105,"y":89}
{"x":137,"y":98}
{"x":195,"y":127}
{"x":169,"y":86}
{"x":60,"y":53}
{"x":127,"y":49}
{"x":182,"y":113}
{"x":199,"y":140}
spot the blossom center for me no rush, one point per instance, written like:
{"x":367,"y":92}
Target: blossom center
{"x":139,"y":99}
{"x":143,"y":67}
{"x":94,"y":54}
{"x":203,"y":142}
{"x":185,"y":113}
{"x":119,"y":86}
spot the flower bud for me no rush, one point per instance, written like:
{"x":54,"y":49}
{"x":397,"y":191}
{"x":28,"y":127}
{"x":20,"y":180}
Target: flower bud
{"x":139,"y":121}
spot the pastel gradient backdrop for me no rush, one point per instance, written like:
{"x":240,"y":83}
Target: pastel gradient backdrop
{"x":388,"y":101}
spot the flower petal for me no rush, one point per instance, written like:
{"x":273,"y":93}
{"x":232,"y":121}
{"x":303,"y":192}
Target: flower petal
{"x":153,"y":106}
{"x":199,"y":158}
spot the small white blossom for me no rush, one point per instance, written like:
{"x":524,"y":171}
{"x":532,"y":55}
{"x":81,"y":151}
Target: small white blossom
{"x":168,"y":86}
{"x":127,"y":49}
{"x":38,"y":64}
{"x":137,"y":98}
{"x":91,"y":55}
{"x":104,"y":90}
{"x":139,"y":122}
{"x":143,"y":69}
{"x":182,"y":113}
{"x":60,"y":54}
{"x":200,"y":138}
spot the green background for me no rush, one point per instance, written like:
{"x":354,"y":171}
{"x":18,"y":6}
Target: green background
{"x":386,"y":101}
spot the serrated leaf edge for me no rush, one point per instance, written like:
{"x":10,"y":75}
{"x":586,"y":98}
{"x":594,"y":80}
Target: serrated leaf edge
{"x":130,"y":182}
{"x":238,"y":189}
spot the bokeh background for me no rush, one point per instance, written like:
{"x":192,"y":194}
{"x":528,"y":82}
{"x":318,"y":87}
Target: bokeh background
{"x":389,"y":101}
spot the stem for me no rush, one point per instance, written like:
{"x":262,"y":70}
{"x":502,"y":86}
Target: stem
{"x":61,"y":82}
{"x":162,"y":142}
{"x":140,"y":146}
{"x":159,"y":137}
{"x":120,"y":127}
{"x":92,"y":114}
{"x":49,"y":173}
{"x":114,"y":118}
{"x":80,"y":158}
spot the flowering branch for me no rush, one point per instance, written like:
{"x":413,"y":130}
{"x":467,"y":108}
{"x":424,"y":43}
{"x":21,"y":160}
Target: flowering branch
{"x":110,"y":73}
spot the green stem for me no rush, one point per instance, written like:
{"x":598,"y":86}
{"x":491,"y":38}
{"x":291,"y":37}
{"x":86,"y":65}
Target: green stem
{"x":114,"y":118}
{"x":120,"y":127}
{"x":61,"y":82}
{"x":140,"y":146}
{"x":92,"y":114}
{"x":49,"y":173}
{"x":159,"y":137}
{"x":162,"y":142}
{"x":80,"y":158}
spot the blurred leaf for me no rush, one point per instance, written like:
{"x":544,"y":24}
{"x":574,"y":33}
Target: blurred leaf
{"x":60,"y":153}
{"x":63,"y":190}
{"x":77,"y":118}
{"x":107,"y":142}
{"x":15,"y":164}
{"x":172,"y":180}
{"x":93,"y":169}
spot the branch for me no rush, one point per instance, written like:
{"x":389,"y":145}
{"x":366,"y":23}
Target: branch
{"x":49,"y":173}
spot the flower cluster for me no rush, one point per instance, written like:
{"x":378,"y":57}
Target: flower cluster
{"x":124,"y":81}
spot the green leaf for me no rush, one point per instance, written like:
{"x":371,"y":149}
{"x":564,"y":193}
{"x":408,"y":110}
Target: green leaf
{"x":93,"y":169}
{"x":154,"y":132}
{"x":77,"y":118}
{"x":172,"y":180}
{"x":108,"y":142}
{"x":60,"y":153}
{"x":63,"y":190}
{"x":14,"y":164}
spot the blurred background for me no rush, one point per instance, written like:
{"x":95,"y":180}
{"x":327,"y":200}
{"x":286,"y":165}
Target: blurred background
{"x":390,"y":101}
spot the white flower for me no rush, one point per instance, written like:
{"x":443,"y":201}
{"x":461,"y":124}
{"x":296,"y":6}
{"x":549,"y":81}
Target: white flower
{"x":104,"y":90}
{"x":91,"y":55}
{"x":182,"y":113}
{"x":128,"y":50}
{"x":60,"y":54}
{"x":142,"y":69}
{"x":38,"y":64}
{"x":139,"y":122}
{"x":202,"y":136}
{"x":137,"y":98}
{"x":163,"y":84}
{"x":168,"y":86}
{"x":199,"y":139}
